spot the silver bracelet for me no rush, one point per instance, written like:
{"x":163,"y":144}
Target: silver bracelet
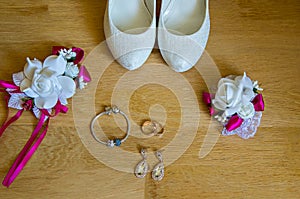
{"x":109,"y":111}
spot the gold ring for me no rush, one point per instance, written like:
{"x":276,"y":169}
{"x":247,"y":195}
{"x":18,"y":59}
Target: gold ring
{"x":152,"y":128}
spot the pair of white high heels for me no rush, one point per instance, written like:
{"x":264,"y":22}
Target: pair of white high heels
{"x":183,"y":30}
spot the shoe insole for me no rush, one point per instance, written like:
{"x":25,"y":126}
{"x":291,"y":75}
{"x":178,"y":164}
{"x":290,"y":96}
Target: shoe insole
{"x":131,"y":16}
{"x":184,"y":16}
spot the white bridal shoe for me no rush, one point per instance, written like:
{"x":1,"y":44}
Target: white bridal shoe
{"x":183,"y":32}
{"x":130,"y":30}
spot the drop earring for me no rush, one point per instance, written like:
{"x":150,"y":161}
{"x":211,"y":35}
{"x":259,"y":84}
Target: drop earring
{"x":142,"y":167}
{"x":159,"y":170}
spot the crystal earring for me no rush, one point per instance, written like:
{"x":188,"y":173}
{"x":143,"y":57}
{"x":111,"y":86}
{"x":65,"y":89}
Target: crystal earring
{"x":159,"y":170}
{"x":141,"y":168}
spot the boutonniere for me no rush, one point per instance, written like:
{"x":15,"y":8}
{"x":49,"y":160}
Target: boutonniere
{"x":43,"y":87}
{"x":237,"y":104}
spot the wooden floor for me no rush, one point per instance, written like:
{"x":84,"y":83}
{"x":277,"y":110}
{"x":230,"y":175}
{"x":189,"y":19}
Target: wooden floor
{"x":259,"y":37}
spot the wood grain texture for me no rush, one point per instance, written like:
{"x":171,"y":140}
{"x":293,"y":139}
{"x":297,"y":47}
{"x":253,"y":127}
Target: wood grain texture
{"x":260,"y":37}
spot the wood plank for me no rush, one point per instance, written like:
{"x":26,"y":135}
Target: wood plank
{"x":259,"y":37}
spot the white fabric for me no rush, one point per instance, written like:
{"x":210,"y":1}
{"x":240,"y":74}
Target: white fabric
{"x":130,"y":30}
{"x":182,"y":44}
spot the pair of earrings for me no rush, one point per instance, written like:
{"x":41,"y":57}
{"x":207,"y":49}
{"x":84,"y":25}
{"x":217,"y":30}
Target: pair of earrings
{"x":142,"y":167}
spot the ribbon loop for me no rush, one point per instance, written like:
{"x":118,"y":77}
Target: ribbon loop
{"x":8,"y":85}
{"x":29,"y":149}
{"x":206,"y":98}
{"x":234,"y":123}
{"x":10,"y":121}
{"x":208,"y":101}
{"x":258,"y":103}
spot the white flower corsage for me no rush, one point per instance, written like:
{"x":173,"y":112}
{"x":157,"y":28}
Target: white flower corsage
{"x":51,"y":81}
{"x":43,"y":88}
{"x":237,"y":104}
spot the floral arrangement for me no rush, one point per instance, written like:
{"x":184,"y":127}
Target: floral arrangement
{"x":237,"y":104}
{"x":43,"y":88}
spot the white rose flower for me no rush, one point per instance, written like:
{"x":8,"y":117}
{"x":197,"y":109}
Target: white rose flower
{"x":45,"y":83}
{"x":232,"y":95}
{"x":71,"y":70}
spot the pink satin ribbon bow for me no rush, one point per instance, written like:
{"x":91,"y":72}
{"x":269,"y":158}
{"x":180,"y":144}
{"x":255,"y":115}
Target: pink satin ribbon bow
{"x":235,"y":121}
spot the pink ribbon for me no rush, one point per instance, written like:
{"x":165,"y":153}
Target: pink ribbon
{"x":8,"y":85}
{"x":34,"y":141}
{"x":28,"y":150}
{"x":84,"y":73}
{"x":32,"y":144}
{"x":10,"y":121}
{"x":234,"y":123}
{"x":59,"y":108}
{"x":258,"y":103}
{"x":207,"y":100}
{"x":3,"y":86}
